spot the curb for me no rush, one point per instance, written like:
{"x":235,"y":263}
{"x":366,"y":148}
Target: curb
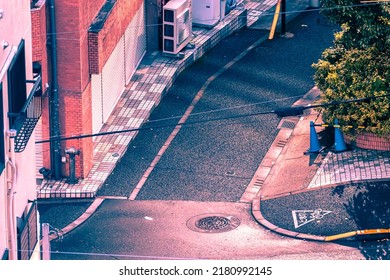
{"x":261,"y":220}
{"x":88,"y":213}
{"x":307,"y":99}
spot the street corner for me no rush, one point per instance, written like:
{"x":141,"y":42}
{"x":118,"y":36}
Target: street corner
{"x":352,"y":210}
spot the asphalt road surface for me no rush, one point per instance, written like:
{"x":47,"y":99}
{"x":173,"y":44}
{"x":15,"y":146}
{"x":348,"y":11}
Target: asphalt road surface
{"x":207,"y":166}
{"x":214,"y":161}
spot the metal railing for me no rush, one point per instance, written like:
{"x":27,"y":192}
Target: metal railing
{"x":27,"y":118}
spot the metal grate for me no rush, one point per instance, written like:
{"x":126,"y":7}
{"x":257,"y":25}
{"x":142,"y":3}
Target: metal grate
{"x":26,"y":120}
{"x":24,"y":134}
{"x":288,"y":124}
{"x":214,"y":223}
{"x":281,"y":143}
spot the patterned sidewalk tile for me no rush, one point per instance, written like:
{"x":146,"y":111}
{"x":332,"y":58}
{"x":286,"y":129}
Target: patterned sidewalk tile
{"x":350,"y":166}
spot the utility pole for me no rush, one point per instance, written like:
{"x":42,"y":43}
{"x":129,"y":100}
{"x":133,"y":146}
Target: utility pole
{"x":283,"y":11}
{"x":45,"y":241}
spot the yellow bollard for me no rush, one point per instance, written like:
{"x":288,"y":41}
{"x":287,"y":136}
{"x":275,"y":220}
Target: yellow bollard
{"x":275,"y":21}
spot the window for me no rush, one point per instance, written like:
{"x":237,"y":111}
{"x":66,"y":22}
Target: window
{"x":27,"y":229}
{"x":17,"y":91}
{"x":2,"y":138}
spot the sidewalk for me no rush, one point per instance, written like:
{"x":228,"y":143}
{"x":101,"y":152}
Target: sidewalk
{"x":320,"y":196}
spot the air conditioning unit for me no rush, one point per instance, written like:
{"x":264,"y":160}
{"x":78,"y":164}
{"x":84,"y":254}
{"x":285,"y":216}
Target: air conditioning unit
{"x":177,"y":26}
{"x":206,"y":12}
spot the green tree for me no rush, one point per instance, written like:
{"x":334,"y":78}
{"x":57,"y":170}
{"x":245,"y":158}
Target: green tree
{"x":357,"y":65}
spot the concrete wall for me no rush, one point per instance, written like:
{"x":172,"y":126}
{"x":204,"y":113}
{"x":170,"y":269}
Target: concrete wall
{"x":15,"y":25}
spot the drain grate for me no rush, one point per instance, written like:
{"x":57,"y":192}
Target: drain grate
{"x":281,"y":143}
{"x":214,"y":223}
{"x":288,"y":124}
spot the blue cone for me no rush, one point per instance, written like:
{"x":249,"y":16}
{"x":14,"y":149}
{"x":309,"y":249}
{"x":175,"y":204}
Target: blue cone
{"x":314,"y":143}
{"x":339,"y":143}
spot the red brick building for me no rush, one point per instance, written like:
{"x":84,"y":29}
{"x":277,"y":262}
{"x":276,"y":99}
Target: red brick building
{"x":99,"y":44}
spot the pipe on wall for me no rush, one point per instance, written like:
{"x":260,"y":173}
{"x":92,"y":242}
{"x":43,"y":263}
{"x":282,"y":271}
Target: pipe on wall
{"x":10,"y":208}
{"x":55,"y":146}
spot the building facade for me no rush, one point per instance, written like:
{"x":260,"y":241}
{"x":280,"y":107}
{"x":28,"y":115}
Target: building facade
{"x":93,"y":47}
{"x":20,"y":110}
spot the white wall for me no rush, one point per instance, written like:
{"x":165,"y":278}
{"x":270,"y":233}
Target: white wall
{"x":15,"y":25}
{"x":108,"y":86}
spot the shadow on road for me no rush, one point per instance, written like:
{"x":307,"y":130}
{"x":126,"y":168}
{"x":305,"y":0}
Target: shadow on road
{"x":369,"y":207}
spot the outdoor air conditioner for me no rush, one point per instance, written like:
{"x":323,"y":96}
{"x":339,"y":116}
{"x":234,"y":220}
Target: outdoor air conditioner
{"x":206,"y":12}
{"x":177,"y":26}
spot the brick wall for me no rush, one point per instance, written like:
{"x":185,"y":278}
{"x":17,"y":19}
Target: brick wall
{"x":77,"y":120}
{"x":36,"y":32}
{"x":369,"y":141}
{"x":72,"y":20}
{"x":75,"y":49}
{"x":68,"y":45}
{"x":93,"y":53}
{"x":102,"y":41}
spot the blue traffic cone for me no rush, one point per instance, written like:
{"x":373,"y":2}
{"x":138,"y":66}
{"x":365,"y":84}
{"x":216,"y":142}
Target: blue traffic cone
{"x":339,"y":144}
{"x":314,"y":143}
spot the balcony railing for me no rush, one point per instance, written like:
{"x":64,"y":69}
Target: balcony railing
{"x":27,"y":118}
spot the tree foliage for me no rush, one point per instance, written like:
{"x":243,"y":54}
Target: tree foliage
{"x":357,"y":65}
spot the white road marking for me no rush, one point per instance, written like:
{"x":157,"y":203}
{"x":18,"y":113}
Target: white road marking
{"x":303,"y":217}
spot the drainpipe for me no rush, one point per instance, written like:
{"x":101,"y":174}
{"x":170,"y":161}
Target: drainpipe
{"x":10,"y":209}
{"x":55,"y":146}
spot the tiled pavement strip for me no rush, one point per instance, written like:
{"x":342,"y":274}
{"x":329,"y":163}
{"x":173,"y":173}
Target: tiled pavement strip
{"x":154,"y":77}
{"x":349,"y":166}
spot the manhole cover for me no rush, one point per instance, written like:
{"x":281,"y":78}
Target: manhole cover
{"x":213,"y":223}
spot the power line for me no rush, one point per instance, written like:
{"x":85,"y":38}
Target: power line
{"x":280,"y":112}
{"x":232,"y":123}
{"x":263,"y":13}
{"x":228,"y":108}
{"x":298,"y":110}
{"x":81,"y":136}
{"x":216,"y":110}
